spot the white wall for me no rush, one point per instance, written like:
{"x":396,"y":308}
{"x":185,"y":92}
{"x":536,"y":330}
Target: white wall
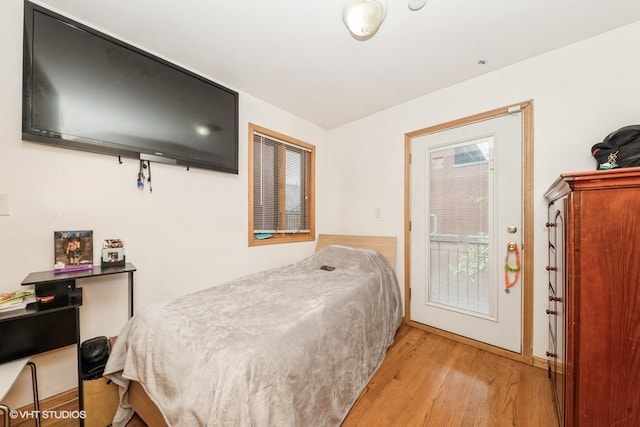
{"x":580,"y":94}
{"x":190,"y":233}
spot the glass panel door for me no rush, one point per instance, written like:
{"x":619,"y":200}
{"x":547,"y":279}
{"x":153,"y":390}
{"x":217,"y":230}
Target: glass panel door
{"x":458,"y":200}
{"x":466,"y":213}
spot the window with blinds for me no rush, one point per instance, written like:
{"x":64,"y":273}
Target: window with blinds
{"x":281,"y":186}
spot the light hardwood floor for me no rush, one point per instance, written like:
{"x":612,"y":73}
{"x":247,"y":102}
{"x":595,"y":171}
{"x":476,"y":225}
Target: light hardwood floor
{"x":428,"y":380}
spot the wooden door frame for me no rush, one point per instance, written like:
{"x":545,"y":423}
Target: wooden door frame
{"x":527,"y":228}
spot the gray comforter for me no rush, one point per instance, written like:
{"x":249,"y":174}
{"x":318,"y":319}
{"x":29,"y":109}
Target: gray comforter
{"x":292,"y":346}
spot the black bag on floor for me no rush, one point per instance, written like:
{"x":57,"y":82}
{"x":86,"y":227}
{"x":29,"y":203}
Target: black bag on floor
{"x":93,"y":357}
{"x":620,"y":149}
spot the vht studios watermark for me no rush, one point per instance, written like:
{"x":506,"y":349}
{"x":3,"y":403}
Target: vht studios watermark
{"x":47,"y":415}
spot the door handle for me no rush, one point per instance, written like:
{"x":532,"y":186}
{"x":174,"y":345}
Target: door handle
{"x":435,"y":224}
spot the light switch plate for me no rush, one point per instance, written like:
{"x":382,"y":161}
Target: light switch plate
{"x":4,"y":204}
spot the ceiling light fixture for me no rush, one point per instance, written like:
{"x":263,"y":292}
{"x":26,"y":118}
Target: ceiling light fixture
{"x":417,"y":4}
{"x":363,"y":17}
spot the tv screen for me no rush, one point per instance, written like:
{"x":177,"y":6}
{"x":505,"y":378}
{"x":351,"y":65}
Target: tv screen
{"x":85,"y":90}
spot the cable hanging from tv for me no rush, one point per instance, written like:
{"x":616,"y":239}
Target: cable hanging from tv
{"x":144,"y":164}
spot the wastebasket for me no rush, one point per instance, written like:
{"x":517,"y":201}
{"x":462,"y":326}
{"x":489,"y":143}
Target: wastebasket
{"x":100,"y":402}
{"x":100,"y":394}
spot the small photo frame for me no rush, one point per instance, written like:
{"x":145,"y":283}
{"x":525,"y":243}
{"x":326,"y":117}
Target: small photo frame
{"x":112,"y":253}
{"x":112,"y":243}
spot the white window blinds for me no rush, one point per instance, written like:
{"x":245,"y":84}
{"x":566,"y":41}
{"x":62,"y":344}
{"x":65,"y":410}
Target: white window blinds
{"x":280,"y":186}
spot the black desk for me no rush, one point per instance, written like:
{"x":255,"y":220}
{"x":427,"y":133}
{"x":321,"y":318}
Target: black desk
{"x":41,"y":327}
{"x":48,"y":279}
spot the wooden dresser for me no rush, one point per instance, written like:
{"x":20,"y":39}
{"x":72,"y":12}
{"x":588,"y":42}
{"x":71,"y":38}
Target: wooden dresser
{"x":594,"y":297}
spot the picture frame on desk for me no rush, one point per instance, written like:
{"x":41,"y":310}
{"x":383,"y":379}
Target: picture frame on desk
{"x":112,"y":253}
{"x":73,"y":250}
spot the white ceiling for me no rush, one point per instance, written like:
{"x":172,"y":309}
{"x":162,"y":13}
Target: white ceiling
{"x":298,"y":55}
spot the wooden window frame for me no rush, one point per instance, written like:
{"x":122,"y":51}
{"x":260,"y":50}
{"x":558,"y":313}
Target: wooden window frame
{"x":310,"y":191}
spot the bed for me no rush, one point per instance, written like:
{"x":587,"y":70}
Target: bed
{"x":290,"y":346}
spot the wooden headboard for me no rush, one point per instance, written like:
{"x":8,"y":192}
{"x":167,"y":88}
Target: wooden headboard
{"x":383,"y":244}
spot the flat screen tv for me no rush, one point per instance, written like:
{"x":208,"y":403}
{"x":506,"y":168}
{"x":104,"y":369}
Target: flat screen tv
{"x":85,"y":90}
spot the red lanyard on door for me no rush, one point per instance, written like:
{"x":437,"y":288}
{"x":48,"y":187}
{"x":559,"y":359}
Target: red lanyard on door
{"x":511,"y":247}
